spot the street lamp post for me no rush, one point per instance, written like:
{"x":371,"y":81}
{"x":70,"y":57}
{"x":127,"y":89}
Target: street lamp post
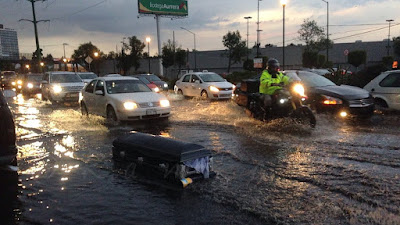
{"x":327,"y":30}
{"x":258,"y":28}
{"x":283,"y":2}
{"x":388,"y":43}
{"x":148,"y":39}
{"x":247,"y":18}
{"x":195,"y":57}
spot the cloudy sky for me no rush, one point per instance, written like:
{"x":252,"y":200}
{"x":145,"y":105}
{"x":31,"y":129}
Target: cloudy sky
{"x":106,"y":22}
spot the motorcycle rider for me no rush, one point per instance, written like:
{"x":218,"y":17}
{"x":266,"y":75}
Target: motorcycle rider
{"x":271,"y":81}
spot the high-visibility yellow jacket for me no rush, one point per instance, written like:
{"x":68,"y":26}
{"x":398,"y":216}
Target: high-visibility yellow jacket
{"x":266,"y":80}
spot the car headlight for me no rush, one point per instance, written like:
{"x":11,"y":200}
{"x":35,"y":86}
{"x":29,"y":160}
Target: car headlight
{"x":214,"y":89}
{"x":57,"y":89}
{"x":164,"y":103}
{"x":165,"y":85}
{"x":13,"y":83}
{"x":328,"y":100}
{"x":299,"y":89}
{"x":156,"y":89}
{"x":130,"y":105}
{"x":19,"y":82}
{"x":29,"y":85}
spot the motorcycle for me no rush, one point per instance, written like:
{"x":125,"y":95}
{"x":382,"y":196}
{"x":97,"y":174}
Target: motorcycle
{"x":288,"y":102}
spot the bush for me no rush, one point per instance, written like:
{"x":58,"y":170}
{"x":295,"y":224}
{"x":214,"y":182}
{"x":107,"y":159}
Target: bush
{"x":364,"y":76}
{"x":237,"y":77}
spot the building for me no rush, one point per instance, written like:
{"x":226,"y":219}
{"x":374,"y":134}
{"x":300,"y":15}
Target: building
{"x":8,"y":44}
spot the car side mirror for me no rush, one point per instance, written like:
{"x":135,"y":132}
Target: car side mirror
{"x":197,"y":82}
{"x":99,"y":92}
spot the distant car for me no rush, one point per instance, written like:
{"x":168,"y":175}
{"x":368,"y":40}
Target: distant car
{"x":8,"y":79}
{"x":61,"y":87}
{"x":385,"y":89}
{"x":204,"y":84}
{"x":162,"y":85}
{"x":325,"y":96}
{"x":87,"y":76}
{"x":121,"y":98}
{"x":149,"y":84}
{"x":8,"y":149}
{"x":321,"y":72}
{"x":31,"y":84}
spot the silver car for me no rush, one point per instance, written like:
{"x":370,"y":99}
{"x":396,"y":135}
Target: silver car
{"x":61,"y":87}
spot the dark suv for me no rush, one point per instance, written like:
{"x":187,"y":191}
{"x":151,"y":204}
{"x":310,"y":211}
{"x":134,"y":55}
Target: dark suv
{"x":8,"y":150}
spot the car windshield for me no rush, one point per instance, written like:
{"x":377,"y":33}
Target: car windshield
{"x":126,"y":86}
{"x":211,"y":77}
{"x":34,"y":78}
{"x":153,"y":78}
{"x":87,"y":75}
{"x":65,"y":78}
{"x":314,"y":80}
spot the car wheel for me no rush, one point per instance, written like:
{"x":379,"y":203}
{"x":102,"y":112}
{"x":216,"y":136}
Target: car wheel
{"x":43,"y":98}
{"x":380,"y":103}
{"x":112,"y":116}
{"x":180,"y":92}
{"x":204,"y":95}
{"x":84,"y":109}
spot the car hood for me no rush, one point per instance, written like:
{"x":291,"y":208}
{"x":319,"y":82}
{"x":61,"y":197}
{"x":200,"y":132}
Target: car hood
{"x":343,"y":91}
{"x":224,"y":84}
{"x":139,"y":97}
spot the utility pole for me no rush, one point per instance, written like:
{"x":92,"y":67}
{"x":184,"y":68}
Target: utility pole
{"x":327,"y":30}
{"x":34,"y":21}
{"x":388,"y":44}
{"x":247,"y":18}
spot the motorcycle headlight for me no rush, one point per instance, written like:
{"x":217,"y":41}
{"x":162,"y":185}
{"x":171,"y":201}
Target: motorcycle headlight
{"x":214,"y":89}
{"x":165,"y":85}
{"x":164,"y":103}
{"x":29,"y":85}
{"x":299,"y":89}
{"x":328,"y":100}
{"x":13,"y":83}
{"x":130,"y":105}
{"x":57,"y":89}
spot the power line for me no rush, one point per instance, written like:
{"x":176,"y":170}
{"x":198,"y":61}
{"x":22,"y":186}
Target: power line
{"x":355,"y":25}
{"x":89,"y":7}
{"x":366,"y":32}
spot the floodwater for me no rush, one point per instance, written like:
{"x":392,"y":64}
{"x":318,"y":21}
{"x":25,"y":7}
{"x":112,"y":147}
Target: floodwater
{"x":341,"y":172}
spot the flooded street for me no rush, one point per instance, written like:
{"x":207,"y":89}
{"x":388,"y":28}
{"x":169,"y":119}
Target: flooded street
{"x":341,"y":172}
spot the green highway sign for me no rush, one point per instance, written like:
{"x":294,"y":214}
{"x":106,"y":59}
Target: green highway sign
{"x":163,"y":7}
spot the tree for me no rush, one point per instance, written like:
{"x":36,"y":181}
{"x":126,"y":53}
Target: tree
{"x":180,"y":59}
{"x":396,"y":45}
{"x":315,"y":40}
{"x":173,"y":56}
{"x":311,"y":34}
{"x":168,"y":54}
{"x":236,"y":48}
{"x":48,"y":61}
{"x":84,"y":50}
{"x":358,"y":57}
{"x":135,"y":49}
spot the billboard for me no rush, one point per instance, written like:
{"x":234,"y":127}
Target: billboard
{"x":163,"y":7}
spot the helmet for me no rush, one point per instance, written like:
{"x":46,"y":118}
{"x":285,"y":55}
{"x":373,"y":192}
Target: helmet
{"x":273,"y":63}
